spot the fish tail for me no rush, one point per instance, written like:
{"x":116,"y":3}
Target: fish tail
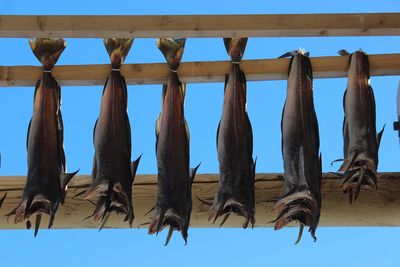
{"x":172,"y":49}
{"x":225,"y":205}
{"x":169,"y":217}
{"x":301,"y":206}
{"x":47,"y":50}
{"x":235,"y":47}
{"x":118,"y":49}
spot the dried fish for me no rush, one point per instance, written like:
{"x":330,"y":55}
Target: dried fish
{"x":235,"y":145}
{"x":174,"y":196}
{"x":300,"y":148}
{"x":113,"y":173}
{"x":361,"y":143}
{"x":47,"y":178}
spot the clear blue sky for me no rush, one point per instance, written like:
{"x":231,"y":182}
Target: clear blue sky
{"x":206,"y":247}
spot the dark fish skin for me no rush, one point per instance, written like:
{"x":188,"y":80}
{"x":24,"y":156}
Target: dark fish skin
{"x":113,"y":173}
{"x":300,"y":150}
{"x":47,"y":181}
{"x":361,"y":143}
{"x":174,"y":195}
{"x":2,"y":199}
{"x":235,"y":145}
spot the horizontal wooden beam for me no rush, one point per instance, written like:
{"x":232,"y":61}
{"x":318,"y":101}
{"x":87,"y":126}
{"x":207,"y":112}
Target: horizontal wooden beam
{"x":359,"y":24}
{"x":194,"y":72}
{"x":371,"y":209}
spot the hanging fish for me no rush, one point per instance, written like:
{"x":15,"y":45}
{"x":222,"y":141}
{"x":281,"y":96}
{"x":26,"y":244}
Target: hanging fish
{"x":174,"y":196}
{"x":113,"y":173}
{"x":361,"y":143}
{"x":300,"y":148}
{"x":235,"y":145}
{"x":47,"y":179}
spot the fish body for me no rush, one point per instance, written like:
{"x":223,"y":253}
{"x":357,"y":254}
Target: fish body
{"x":113,"y":173}
{"x":47,"y":181}
{"x":300,"y":150}
{"x":235,"y":145}
{"x":361,"y":143}
{"x":174,"y":195}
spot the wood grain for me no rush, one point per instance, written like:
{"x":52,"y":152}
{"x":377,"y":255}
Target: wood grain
{"x":149,"y":26}
{"x":194,"y":72}
{"x":371,"y":209}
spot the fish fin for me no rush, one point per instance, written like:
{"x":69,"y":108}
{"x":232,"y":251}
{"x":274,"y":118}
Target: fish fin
{"x":187,"y":130}
{"x":224,"y":219}
{"x":193,"y":173}
{"x":28,"y":205}
{"x":300,"y":233}
{"x":254,"y":167}
{"x":172,"y":49}
{"x":183,"y":91}
{"x":243,"y":81}
{"x":288,"y":54}
{"x":235,"y":47}
{"x":343,"y":52}
{"x":94,"y":129}
{"x":2,"y":199}
{"x":226,"y":81}
{"x":53,"y":211}
{"x":216,"y":139}
{"x":157,"y":129}
{"x":27,"y":135}
{"x":170,"y":232}
{"x":379,"y":136}
{"x":65,"y":178}
{"x":134,"y":166}
{"x":37,"y":223}
{"x":160,"y":221}
{"x":118,"y":49}
{"x":104,"y":220}
{"x":164,"y":91}
{"x":150,"y":210}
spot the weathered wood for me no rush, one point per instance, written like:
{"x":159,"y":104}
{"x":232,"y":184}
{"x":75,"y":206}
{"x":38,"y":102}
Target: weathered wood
{"x":359,"y":24}
{"x":371,"y":209}
{"x":194,"y":72}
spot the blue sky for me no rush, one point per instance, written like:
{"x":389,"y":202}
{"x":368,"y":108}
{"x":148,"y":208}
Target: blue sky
{"x":236,"y":247}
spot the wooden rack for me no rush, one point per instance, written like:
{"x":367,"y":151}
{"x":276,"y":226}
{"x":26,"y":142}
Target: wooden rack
{"x":372,"y":209}
{"x":194,"y":72}
{"x":288,"y":25}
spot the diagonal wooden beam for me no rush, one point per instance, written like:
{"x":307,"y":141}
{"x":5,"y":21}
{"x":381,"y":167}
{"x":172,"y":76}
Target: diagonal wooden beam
{"x":371,"y":209}
{"x":359,"y":24}
{"x":194,"y":72}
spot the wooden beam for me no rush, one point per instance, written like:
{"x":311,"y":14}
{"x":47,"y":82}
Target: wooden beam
{"x":194,"y":72}
{"x":289,"y":25}
{"x":371,"y":209}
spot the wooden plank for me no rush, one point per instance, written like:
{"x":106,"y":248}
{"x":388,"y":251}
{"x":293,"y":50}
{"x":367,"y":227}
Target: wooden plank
{"x":194,"y":72}
{"x":358,"y":24}
{"x":371,"y":209}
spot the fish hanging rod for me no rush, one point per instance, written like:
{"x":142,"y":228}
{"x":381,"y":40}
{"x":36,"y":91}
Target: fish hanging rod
{"x":371,"y":209}
{"x":193,"y":72}
{"x":154,"y":26}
